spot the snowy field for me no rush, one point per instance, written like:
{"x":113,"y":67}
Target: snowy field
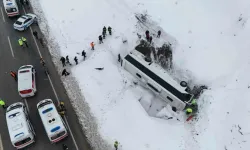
{"x":211,"y":47}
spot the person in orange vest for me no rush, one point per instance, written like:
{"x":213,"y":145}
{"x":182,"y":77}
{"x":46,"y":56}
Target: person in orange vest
{"x":92,"y":46}
{"x":13,"y":74}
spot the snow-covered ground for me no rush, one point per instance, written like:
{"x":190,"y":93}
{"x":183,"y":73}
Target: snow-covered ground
{"x":211,"y":47}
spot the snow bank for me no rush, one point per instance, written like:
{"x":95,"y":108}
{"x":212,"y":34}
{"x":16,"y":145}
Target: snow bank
{"x":82,"y":109}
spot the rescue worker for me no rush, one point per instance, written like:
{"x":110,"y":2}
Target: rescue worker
{"x":116,"y":145}
{"x":76,"y":60}
{"x":189,"y":111}
{"x":100,"y":39}
{"x":13,"y":74}
{"x":62,"y":106}
{"x":84,"y":54}
{"x":103,"y":34}
{"x":159,"y":34}
{"x":2,"y":103}
{"x":110,"y":30}
{"x":147,"y":35}
{"x":65,"y":72}
{"x":63,"y":61}
{"x":92,"y":46}
{"x":61,"y":109}
{"x":25,"y":41}
{"x":104,"y":30}
{"x":35,"y":34}
{"x":194,"y":105}
{"x":65,"y":147}
{"x":20,"y":42}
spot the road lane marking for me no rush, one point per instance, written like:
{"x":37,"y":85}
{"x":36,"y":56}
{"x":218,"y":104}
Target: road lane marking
{"x":1,"y":143}
{"x":38,"y":49}
{"x":11,"y":47}
{"x":2,"y":14}
{"x":25,"y":101}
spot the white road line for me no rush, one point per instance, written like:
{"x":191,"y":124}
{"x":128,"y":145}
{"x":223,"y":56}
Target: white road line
{"x":2,"y":14}
{"x":38,"y":49}
{"x":1,"y":143}
{"x":11,"y":47}
{"x":25,"y":101}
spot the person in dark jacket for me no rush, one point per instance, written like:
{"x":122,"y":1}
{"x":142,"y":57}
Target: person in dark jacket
{"x":76,"y":60}
{"x":103,"y":34}
{"x":84,"y":54}
{"x":65,"y":147}
{"x":147,"y":35}
{"x":104,"y":30}
{"x":110,"y":30}
{"x":63,"y":61}
{"x":100,"y":39}
{"x":159,"y":34}
{"x":67,"y":60}
{"x":65,"y":72}
{"x":35,"y":34}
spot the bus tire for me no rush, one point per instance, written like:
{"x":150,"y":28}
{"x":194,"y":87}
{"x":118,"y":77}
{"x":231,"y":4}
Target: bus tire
{"x":183,"y":83}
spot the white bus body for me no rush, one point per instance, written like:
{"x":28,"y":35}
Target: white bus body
{"x":11,"y":8}
{"x":157,"y":80}
{"x":20,"y":129}
{"x":52,"y":121}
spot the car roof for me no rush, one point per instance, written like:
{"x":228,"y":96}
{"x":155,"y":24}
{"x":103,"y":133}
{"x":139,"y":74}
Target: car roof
{"x":47,"y":113}
{"x":25,"y":77}
{"x":24,"y":17}
{"x":17,"y":124}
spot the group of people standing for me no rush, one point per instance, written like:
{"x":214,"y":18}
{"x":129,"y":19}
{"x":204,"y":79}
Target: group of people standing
{"x":65,"y":60}
{"x":150,"y":38}
{"x":104,"y":33}
{"x":102,"y":37}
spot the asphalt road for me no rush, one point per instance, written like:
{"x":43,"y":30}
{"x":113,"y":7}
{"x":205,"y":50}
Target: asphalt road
{"x":12,"y":56}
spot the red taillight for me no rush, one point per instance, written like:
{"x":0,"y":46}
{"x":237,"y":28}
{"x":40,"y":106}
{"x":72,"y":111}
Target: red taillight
{"x":18,"y":143}
{"x":26,"y":91}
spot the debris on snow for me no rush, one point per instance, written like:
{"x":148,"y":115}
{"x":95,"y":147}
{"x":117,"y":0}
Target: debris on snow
{"x":99,"y":68}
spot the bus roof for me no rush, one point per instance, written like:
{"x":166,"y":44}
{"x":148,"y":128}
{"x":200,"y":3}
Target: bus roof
{"x":52,"y":121}
{"x":17,"y":124}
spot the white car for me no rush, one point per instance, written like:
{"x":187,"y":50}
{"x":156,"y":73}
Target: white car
{"x":24,"y":22}
{"x":26,"y":81}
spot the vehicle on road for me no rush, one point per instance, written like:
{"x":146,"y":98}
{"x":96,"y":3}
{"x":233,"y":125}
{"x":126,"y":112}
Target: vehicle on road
{"x":11,"y":8}
{"x":24,"y":22}
{"x":53,"y":123}
{"x":20,"y":129}
{"x":26,"y":81}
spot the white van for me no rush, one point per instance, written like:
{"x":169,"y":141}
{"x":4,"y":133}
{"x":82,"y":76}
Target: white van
{"x":20,"y":129}
{"x":26,"y":81}
{"x":157,"y":80}
{"x":11,"y":8}
{"x":52,"y":121}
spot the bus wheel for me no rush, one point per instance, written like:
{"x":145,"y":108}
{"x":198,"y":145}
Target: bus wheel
{"x":183,"y":83}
